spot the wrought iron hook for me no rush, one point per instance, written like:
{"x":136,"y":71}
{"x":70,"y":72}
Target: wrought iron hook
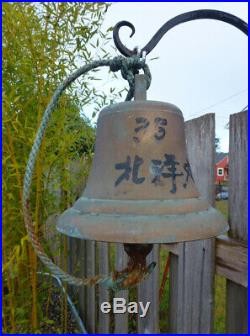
{"x":189,"y":16}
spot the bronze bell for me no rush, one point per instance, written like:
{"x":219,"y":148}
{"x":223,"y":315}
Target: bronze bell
{"x":140,"y":188}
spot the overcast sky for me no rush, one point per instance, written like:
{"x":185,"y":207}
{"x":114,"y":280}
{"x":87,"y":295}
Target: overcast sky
{"x":202,"y":65}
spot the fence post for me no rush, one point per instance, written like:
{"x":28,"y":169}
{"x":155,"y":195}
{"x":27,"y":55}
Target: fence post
{"x":148,"y":291}
{"x":77,"y":266}
{"x":121,"y":320}
{"x":192,"y":272}
{"x":81,"y":253}
{"x":90,"y":291}
{"x":104,"y":319}
{"x":236,"y":321}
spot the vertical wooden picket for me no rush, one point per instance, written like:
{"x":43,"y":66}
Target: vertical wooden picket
{"x":72,"y":255}
{"x":104,"y":319}
{"x":121,"y":320}
{"x":77,"y":267}
{"x":148,"y":291}
{"x":90,"y":290}
{"x":81,"y":254}
{"x":237,"y":305}
{"x":192,"y":272}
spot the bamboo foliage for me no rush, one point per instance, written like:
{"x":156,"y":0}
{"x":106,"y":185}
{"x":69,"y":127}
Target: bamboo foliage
{"x":42,"y":43}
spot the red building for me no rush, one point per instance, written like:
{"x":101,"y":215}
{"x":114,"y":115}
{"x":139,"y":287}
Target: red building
{"x":221,"y":168}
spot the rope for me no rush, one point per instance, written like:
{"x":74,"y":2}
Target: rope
{"x":124,"y":279}
{"x":129,"y":67}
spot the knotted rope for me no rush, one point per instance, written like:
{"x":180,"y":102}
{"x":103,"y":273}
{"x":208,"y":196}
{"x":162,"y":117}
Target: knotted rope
{"x":129,"y":67}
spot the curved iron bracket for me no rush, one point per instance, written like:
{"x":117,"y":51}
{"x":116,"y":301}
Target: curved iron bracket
{"x":189,"y":16}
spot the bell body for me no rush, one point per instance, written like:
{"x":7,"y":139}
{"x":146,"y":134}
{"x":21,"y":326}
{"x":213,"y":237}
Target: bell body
{"x":140,"y":146}
{"x":141,"y":188}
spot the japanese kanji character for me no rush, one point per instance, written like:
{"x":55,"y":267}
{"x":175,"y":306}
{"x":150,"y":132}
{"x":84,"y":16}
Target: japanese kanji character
{"x":188,"y":171}
{"x":127,"y":170}
{"x":156,"y":168}
{"x":138,"y":161}
{"x":165,"y":169}
{"x":171,"y":164}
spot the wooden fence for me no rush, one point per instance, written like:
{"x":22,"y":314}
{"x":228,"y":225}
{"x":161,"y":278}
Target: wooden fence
{"x":192,"y":264}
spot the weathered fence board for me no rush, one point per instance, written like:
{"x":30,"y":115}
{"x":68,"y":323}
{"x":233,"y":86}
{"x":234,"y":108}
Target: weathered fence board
{"x":191,"y":296}
{"x":236,"y":311}
{"x":238,"y":159}
{"x":104,"y":319}
{"x":231,"y":260}
{"x":81,"y":253}
{"x":148,"y":292}
{"x":72,"y":255}
{"x":121,"y":320}
{"x":90,"y":290}
{"x":77,"y":265}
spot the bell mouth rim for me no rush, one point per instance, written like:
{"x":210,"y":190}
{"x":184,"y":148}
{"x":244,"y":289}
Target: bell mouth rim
{"x":86,"y":205}
{"x":142,"y":229}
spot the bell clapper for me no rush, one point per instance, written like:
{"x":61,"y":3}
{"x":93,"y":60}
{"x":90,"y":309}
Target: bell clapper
{"x":135,"y":272}
{"x":136,"y":269}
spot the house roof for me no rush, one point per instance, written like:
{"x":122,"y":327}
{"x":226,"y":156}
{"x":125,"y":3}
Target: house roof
{"x":220,"y":156}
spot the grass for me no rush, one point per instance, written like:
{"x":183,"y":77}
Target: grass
{"x":164,"y":302}
{"x":220,"y":286}
{"x":220,"y":305}
{"x":222,"y":206}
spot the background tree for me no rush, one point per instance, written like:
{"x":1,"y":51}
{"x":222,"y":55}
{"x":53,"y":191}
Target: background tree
{"x":42,"y":44}
{"x":217,"y":144}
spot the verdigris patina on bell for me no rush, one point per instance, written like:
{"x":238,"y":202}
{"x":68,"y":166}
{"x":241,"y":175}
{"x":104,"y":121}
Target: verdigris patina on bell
{"x":141,"y":189}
